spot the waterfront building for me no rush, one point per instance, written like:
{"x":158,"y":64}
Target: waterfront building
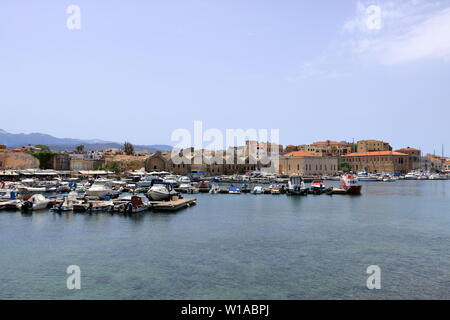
{"x":414,"y":158}
{"x":372,"y":146}
{"x":433,"y":163}
{"x":378,"y":161}
{"x":447,"y":165}
{"x":212,"y":163}
{"x":60,"y":162}
{"x":307,"y":164}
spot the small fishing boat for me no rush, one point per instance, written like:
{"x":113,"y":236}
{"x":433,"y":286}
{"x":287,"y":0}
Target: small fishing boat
{"x":68,"y":203}
{"x":136,"y":204}
{"x":161,"y":191}
{"x":257,"y":190}
{"x":35,"y":202}
{"x":317,"y":186}
{"x":350,"y":184}
{"x":296,"y":186}
{"x":214,"y":189}
{"x":411,"y":176}
{"x":388,"y":178}
{"x":364,"y":176}
{"x":9,"y":204}
{"x":275,"y":189}
{"x":234,"y":190}
{"x":99,"y":189}
{"x":203,"y":186}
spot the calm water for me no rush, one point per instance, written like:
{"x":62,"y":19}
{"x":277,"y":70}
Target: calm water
{"x":240,"y":247}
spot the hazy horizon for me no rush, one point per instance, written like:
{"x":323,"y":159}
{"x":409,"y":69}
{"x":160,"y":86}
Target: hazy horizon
{"x":314,"y":70}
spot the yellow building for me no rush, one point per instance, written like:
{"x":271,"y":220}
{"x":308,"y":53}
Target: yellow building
{"x":327,"y":148}
{"x":377,"y":162}
{"x":372,"y":146}
{"x":306,"y":164}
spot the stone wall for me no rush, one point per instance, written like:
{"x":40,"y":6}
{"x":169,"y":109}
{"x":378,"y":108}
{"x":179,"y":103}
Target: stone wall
{"x":17,"y":160}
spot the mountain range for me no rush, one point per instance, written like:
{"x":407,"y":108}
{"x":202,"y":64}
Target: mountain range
{"x":17,"y":140}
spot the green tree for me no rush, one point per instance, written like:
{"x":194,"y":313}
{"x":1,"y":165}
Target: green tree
{"x":128,"y":148}
{"x":344,"y":166}
{"x":43,"y":147}
{"x":44,"y":158}
{"x":79,"y":148}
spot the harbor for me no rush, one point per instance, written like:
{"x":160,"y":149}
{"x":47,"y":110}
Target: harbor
{"x":221,"y":247}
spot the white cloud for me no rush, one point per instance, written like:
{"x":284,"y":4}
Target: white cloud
{"x":411,"y":31}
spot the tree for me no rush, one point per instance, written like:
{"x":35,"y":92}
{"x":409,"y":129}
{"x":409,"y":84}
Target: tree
{"x":44,"y":158}
{"x":79,"y":148}
{"x":43,"y":147}
{"x":128,"y":148}
{"x":344,"y":166}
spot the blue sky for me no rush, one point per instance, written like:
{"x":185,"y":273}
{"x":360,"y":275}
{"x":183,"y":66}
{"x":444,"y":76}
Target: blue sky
{"x":138,"y":70}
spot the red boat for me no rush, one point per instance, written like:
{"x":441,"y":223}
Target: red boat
{"x":350,"y":184}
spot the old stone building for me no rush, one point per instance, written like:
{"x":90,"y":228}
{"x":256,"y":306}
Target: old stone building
{"x":215,"y":164}
{"x":378,"y":162}
{"x":17,"y":160}
{"x":60,"y":162}
{"x":327,"y":148}
{"x":307,"y":164}
{"x":414,"y":158}
{"x":372,"y":146}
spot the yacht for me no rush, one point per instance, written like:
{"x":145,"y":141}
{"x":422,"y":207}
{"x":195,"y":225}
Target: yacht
{"x":411,"y":176}
{"x":100,"y":188}
{"x":161,"y":191}
{"x":35,"y":202}
{"x":296,"y":186}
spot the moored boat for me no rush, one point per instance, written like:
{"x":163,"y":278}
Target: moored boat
{"x":350,"y":184}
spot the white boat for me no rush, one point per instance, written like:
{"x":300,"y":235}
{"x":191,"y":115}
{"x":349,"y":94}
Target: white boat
{"x":99,"y":189}
{"x":350,"y":184}
{"x":137,"y":204}
{"x":411,"y":176}
{"x":9,"y":204}
{"x":257,"y":190}
{"x":68,"y":203}
{"x":364,"y":176}
{"x":35,"y":202}
{"x":296,"y":186}
{"x":161,"y":191}
{"x":214,"y":189}
{"x":388,"y":178}
{"x":187,"y":187}
{"x":184,"y":179}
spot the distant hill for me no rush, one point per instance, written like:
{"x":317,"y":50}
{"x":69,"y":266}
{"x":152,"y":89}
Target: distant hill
{"x":17,"y":140}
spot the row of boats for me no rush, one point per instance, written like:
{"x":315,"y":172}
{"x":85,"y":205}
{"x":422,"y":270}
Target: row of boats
{"x":388,"y":177}
{"x":73,"y":202}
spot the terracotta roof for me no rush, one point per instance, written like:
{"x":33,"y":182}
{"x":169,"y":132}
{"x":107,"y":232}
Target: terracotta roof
{"x":375,"y":153}
{"x":325,"y":143}
{"x":298,"y":154}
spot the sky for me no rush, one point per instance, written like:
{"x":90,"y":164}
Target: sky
{"x":139,"y":70}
